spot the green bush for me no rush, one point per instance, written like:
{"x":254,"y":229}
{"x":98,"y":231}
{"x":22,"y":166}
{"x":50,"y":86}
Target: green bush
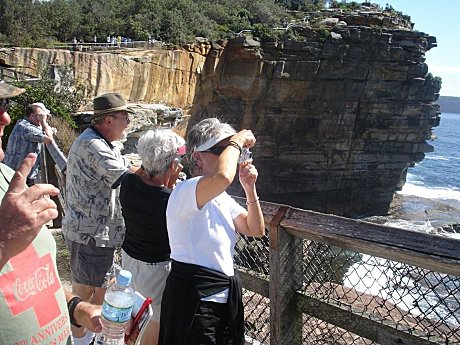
{"x":433,"y":81}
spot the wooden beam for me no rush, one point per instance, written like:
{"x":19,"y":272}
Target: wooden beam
{"x":433,"y":252}
{"x":285,"y":278}
{"x":254,"y":282}
{"x":429,"y":251}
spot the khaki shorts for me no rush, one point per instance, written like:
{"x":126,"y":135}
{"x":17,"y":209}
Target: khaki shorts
{"x":89,"y":264}
{"x":149,"y":279}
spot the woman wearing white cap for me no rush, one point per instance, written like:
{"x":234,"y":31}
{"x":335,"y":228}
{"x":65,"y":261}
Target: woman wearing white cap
{"x":202,"y":299}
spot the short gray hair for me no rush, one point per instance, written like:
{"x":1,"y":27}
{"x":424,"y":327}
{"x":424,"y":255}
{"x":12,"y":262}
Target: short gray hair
{"x":157,"y":149}
{"x":202,"y":132}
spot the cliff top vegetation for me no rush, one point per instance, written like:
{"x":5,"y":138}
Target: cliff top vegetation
{"x":35,"y":23}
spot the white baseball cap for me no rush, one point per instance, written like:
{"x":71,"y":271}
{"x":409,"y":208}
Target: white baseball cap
{"x":226,"y":133}
{"x":42,"y":106}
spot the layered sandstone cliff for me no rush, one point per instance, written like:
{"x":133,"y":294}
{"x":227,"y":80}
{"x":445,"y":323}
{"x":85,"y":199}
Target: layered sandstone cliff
{"x":338,"y":119}
{"x":338,"y":122}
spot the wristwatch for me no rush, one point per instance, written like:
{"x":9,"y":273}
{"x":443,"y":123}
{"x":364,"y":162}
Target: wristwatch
{"x":71,"y":305}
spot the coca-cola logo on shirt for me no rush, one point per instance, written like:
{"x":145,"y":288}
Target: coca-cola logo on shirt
{"x":39,"y":280}
{"x":30,"y":282}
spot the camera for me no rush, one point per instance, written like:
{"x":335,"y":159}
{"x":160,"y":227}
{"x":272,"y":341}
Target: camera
{"x":245,"y":155}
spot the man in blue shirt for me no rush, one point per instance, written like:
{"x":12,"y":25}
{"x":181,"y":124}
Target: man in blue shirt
{"x":27,"y":136}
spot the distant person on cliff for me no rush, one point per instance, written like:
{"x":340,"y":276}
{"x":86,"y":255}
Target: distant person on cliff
{"x":143,"y":198}
{"x":27,"y":136}
{"x":202,"y":300}
{"x":93,"y":225}
{"x":32,"y":299}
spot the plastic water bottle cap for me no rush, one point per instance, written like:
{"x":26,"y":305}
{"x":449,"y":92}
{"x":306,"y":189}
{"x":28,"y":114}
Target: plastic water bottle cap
{"x":124,"y":278}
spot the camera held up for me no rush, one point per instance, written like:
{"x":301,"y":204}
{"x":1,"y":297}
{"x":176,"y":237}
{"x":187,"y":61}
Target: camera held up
{"x":245,"y":155}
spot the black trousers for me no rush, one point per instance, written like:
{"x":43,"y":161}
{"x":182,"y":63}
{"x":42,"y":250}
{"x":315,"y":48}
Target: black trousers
{"x":210,"y":325}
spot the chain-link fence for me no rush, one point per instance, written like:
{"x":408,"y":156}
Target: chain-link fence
{"x":366,"y":295}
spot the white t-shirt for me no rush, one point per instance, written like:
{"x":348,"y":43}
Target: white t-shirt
{"x":206,"y":236}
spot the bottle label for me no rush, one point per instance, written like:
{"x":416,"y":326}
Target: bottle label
{"x":116,"y":314}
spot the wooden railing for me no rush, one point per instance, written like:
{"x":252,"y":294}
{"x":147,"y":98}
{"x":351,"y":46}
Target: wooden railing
{"x":289,"y":226}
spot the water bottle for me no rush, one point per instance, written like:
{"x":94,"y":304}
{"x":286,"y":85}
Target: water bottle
{"x":116,"y":310}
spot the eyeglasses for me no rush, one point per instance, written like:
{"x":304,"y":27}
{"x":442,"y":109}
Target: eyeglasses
{"x":4,"y":103}
{"x":125,"y":116}
{"x":216,"y":150}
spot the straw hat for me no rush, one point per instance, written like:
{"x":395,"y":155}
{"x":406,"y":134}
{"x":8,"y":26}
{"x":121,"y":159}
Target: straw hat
{"x":109,"y":103}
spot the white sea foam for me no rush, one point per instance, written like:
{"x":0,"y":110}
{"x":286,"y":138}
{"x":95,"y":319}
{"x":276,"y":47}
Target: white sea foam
{"x":421,"y":226}
{"x":437,"y":158}
{"x":386,"y":279}
{"x":430,"y":193}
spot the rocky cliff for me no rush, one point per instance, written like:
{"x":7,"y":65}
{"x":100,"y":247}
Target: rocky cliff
{"x":338,"y":121}
{"x":339,"y":114}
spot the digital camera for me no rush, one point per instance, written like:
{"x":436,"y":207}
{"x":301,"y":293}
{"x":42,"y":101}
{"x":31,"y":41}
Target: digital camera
{"x":245,"y":155}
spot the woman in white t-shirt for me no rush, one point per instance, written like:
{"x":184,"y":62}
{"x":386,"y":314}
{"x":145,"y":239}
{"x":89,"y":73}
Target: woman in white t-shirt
{"x":202,"y":299}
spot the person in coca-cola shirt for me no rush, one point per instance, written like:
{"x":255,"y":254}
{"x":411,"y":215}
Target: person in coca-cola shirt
{"x":33,"y":303}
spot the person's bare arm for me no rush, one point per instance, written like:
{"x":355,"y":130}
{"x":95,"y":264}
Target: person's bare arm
{"x":86,"y":314}
{"x":216,"y":183}
{"x":23,"y":211}
{"x":250,"y":223}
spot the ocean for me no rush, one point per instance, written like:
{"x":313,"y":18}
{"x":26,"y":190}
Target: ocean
{"x":430,"y":197}
{"x":429,"y":200}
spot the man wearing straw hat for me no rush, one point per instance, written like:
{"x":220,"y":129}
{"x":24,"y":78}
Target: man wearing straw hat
{"x":93,"y":225}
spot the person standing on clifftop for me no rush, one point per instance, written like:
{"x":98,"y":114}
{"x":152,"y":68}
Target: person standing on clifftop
{"x":143,"y":198}
{"x":27,"y":136}
{"x":202,"y":300}
{"x":93,"y":225}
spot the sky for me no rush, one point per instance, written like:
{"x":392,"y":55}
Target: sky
{"x":439,"y":18}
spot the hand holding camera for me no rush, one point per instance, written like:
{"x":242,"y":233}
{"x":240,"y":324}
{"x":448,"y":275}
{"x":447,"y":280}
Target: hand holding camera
{"x":245,"y":155}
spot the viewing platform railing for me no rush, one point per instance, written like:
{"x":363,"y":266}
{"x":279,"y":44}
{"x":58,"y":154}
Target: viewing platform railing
{"x":103,"y":46}
{"x":322,"y":279}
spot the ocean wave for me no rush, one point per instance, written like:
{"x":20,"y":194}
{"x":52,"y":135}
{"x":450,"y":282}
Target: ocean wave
{"x":430,"y":193}
{"x":437,"y":158}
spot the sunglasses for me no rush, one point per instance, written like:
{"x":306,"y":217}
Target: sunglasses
{"x":216,"y":150}
{"x":4,"y":103}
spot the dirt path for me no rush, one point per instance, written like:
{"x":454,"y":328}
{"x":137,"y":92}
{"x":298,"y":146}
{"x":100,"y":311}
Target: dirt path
{"x":62,"y":258}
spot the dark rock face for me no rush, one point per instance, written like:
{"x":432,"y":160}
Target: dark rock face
{"x":338,"y":121}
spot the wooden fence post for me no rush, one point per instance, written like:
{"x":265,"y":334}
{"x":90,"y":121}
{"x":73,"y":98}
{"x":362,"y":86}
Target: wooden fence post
{"x":285,"y":280}
{"x":49,"y":172}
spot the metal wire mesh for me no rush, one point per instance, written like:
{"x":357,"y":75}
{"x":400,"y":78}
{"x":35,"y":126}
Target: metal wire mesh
{"x":408,"y":298}
{"x":253,"y":255}
{"x":256,"y":318}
